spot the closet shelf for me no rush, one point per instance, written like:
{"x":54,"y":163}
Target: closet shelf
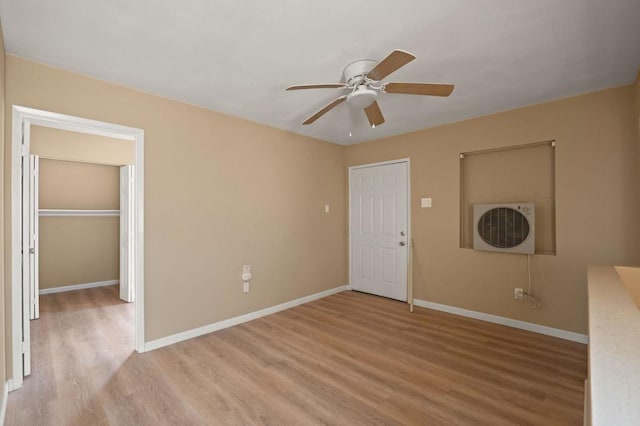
{"x":70,"y":212}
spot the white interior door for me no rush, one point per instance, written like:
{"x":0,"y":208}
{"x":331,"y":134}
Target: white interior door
{"x":26,"y":249}
{"x":126,"y":234}
{"x":378,"y":223}
{"x":34,"y":272}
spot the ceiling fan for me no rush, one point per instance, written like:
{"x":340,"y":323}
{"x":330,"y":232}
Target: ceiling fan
{"x":362,"y":79}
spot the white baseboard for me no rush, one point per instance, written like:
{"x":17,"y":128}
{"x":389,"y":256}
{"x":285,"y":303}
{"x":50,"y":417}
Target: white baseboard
{"x":536,"y":328}
{"x":3,"y":404}
{"x":78,"y":286}
{"x":210,"y":328}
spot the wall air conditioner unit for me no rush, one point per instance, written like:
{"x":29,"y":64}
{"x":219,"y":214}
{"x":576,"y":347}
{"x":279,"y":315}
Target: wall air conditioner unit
{"x":506,"y":228}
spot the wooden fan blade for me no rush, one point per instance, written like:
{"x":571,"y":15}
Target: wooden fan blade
{"x":419,"y":89}
{"x":318,"y":86}
{"x":325,"y":110}
{"x":374,"y":114}
{"x":396,"y":60}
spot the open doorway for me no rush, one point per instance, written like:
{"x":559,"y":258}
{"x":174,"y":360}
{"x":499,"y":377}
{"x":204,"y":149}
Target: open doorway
{"x":83,"y":202}
{"x":129,"y":174}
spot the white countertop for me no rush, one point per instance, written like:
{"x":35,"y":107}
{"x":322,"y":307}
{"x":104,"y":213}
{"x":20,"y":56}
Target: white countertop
{"x":614,"y":350}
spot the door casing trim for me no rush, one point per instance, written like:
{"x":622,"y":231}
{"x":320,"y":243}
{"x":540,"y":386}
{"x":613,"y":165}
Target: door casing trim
{"x":54,"y":120}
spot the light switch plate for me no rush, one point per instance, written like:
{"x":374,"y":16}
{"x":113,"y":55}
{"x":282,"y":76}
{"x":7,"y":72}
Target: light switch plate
{"x":425,"y":203}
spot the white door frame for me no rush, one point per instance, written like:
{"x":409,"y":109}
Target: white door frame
{"x":127,"y":246}
{"x":34,"y":191}
{"x":23,"y":115}
{"x":384,"y":163}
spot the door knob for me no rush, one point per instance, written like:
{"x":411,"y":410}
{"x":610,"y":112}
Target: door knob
{"x":402,"y":243}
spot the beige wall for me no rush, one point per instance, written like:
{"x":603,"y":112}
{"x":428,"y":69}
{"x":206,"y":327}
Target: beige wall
{"x":220,"y":192}
{"x":597,"y":206}
{"x":3,"y":375}
{"x":78,"y":186}
{"x":73,"y":146}
{"x":636,"y":87}
{"x":78,"y":250}
{"x":637,"y":96}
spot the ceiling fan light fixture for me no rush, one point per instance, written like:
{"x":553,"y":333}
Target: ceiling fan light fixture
{"x":363,"y":79}
{"x":362,"y":97}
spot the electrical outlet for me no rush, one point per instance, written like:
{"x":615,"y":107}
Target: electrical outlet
{"x":518,"y":293}
{"x":245,"y":287}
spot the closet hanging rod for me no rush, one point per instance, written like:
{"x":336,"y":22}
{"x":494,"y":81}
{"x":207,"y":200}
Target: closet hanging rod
{"x":72,"y":212}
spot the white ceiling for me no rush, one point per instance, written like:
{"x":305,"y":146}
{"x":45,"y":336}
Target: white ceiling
{"x":238,"y":56}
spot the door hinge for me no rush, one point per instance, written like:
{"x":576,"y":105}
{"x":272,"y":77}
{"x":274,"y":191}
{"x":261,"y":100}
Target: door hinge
{"x":23,"y":347}
{"x":24,"y":150}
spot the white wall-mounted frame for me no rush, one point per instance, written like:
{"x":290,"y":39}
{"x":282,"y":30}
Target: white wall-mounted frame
{"x":28,"y":116}
{"x":409,"y":237}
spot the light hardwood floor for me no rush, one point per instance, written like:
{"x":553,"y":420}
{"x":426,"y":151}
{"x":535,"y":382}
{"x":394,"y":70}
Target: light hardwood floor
{"x":349,"y":359}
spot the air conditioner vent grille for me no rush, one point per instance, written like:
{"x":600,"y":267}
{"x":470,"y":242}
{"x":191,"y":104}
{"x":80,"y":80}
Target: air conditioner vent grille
{"x":503,"y":227}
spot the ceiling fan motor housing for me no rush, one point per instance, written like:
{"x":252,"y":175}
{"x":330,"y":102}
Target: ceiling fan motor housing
{"x":354,"y":72}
